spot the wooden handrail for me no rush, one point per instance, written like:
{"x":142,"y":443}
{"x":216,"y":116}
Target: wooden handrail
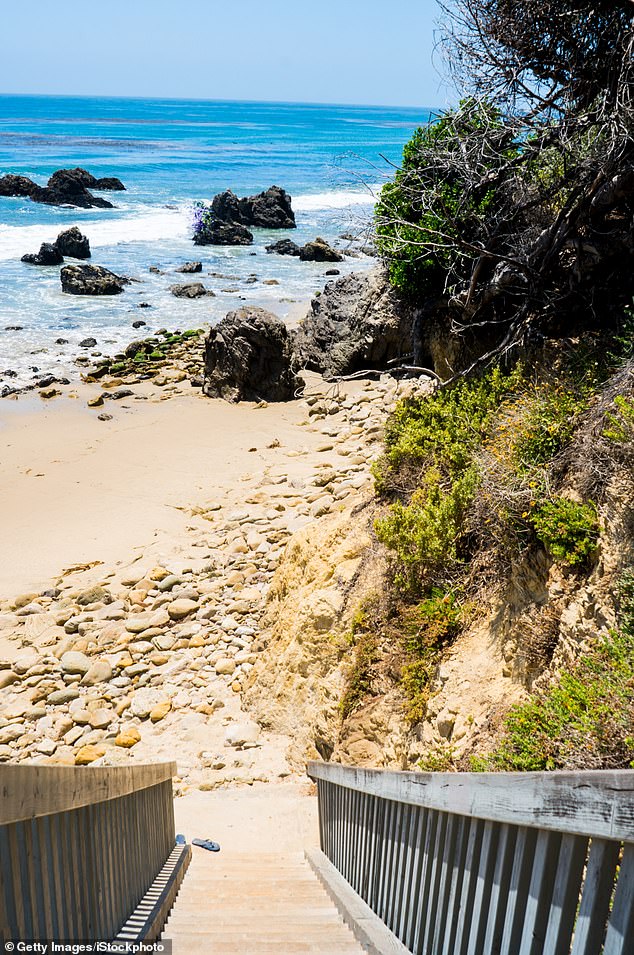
{"x":486,"y":864}
{"x":80,"y":847}
{"x":595,"y":803}
{"x":30,"y":791}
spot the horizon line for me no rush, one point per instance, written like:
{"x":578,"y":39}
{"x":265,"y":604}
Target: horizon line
{"x":202,"y":99}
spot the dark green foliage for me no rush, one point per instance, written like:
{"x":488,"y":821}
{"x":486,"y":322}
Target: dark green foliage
{"x":431,"y":213}
{"x":567,"y":529}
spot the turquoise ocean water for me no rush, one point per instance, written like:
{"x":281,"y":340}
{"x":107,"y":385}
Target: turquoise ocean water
{"x":170,"y":154}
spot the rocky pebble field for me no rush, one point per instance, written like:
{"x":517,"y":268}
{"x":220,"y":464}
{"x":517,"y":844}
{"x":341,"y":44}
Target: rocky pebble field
{"x":147,"y":659}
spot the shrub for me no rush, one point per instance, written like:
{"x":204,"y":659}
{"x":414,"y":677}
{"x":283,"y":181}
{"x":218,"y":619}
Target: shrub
{"x":547,"y":427}
{"x":428,"y":628}
{"x":620,"y":423}
{"x":443,"y":429}
{"x":437,"y":204}
{"x":424,"y":534}
{"x":567,"y":529}
{"x":585,"y":720}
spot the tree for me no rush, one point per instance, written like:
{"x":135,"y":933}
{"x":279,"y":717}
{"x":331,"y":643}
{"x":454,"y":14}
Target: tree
{"x":514,"y":213}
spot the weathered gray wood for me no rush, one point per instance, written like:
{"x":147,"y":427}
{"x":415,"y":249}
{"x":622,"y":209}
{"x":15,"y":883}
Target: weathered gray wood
{"x":518,"y":890}
{"x":365,"y":924}
{"x":565,"y":898}
{"x":595,"y":803}
{"x":619,"y":939}
{"x":483,"y":888}
{"x":29,"y":790}
{"x":499,"y":889}
{"x":447,"y":941}
{"x":468,"y":887}
{"x":61,"y":875}
{"x":540,"y":893}
{"x":595,"y":900}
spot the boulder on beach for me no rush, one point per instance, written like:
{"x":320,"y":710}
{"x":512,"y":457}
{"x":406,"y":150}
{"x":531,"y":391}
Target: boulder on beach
{"x":270,"y":209}
{"x":357,"y":322}
{"x":283,"y":247}
{"x":71,"y":242}
{"x":248,"y":358}
{"x":11,"y":185}
{"x":91,"y":280}
{"x":191,"y":290}
{"x":190,"y":267}
{"x":49,"y":254}
{"x":319,"y":251}
{"x":217,"y":232}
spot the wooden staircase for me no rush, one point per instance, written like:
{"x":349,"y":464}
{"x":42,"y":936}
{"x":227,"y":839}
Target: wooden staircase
{"x":252,"y":904}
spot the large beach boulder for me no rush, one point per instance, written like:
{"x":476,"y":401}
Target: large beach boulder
{"x":248,"y":358}
{"x":91,"y":280}
{"x":319,"y":251}
{"x":49,"y":254}
{"x":11,"y":185}
{"x":268,"y":210}
{"x":357,"y":322}
{"x":283,"y":247}
{"x":217,"y":232}
{"x":71,"y":242}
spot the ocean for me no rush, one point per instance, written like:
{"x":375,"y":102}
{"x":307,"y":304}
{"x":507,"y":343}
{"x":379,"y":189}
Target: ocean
{"x":171,"y":154}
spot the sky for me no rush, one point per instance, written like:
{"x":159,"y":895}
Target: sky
{"x":329,"y":51}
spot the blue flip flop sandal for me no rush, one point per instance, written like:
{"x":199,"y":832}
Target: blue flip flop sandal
{"x":206,"y":844}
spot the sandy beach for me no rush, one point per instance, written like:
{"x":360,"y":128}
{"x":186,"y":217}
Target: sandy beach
{"x":142,"y":537}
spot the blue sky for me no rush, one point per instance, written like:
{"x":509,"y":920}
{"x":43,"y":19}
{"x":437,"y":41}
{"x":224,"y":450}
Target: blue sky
{"x":331,"y":51}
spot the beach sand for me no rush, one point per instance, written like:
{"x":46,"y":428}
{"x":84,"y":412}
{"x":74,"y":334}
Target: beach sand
{"x":77,"y":490}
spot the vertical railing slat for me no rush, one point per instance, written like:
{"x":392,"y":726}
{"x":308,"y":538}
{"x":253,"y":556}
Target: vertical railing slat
{"x":619,"y":939}
{"x":595,"y":897}
{"x":566,"y":891}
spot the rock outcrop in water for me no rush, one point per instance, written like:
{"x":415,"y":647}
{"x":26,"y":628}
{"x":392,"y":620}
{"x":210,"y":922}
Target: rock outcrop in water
{"x":283,"y":247}
{"x":65,"y":187}
{"x":49,"y":254}
{"x":319,"y":251}
{"x":217,"y":232}
{"x":190,"y":290}
{"x":71,"y":242}
{"x":91,"y":280}
{"x":248,"y":358}
{"x":270,"y":209}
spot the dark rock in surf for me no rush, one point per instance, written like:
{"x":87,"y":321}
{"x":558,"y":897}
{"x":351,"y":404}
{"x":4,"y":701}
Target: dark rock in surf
{"x":49,"y":254}
{"x":91,"y":280}
{"x":64,"y":188}
{"x":248,"y":358}
{"x":11,"y":185}
{"x":191,"y":290}
{"x":268,"y":210}
{"x":217,"y":232}
{"x":190,"y":267}
{"x":283,"y":247}
{"x":319,"y":251}
{"x":71,"y":242}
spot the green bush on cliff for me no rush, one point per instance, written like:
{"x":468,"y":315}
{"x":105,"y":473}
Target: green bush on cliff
{"x":428,"y":628}
{"x":434,"y":208}
{"x":567,"y":529}
{"x":585,"y":720}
